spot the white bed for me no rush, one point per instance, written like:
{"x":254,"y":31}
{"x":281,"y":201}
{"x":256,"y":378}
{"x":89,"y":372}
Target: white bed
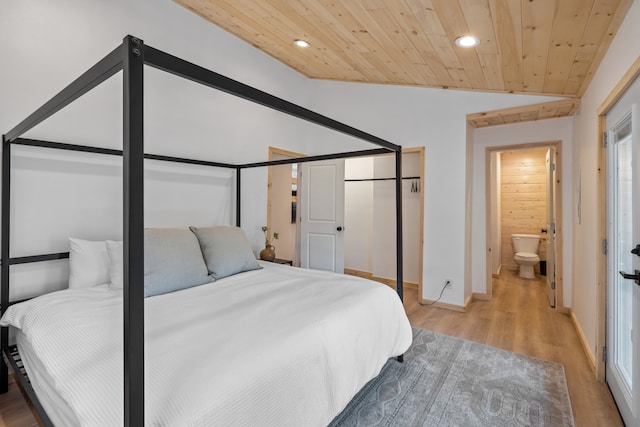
{"x":279,"y":346}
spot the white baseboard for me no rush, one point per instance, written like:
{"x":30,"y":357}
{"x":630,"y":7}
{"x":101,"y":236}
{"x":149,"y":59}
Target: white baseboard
{"x":497,"y":275}
{"x":583,"y":340}
{"x":370,"y":276}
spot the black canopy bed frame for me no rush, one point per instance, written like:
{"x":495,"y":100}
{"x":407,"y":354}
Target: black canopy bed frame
{"x":130,"y":57}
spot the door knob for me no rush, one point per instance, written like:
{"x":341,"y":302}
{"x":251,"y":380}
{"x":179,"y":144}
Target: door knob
{"x":635,"y":277}
{"x":339,"y":228}
{"x":636,"y":251}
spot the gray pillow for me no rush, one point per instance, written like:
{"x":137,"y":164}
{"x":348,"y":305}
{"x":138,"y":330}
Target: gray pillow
{"x":172,"y":261}
{"x":226,"y":250}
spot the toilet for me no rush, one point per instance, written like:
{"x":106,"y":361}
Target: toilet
{"x":525,"y":247}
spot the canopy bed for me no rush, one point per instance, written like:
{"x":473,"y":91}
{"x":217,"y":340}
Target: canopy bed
{"x":344,"y":298}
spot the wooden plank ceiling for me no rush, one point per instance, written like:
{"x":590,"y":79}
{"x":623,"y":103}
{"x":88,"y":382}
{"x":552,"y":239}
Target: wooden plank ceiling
{"x":527,"y":113}
{"x":550,"y":47}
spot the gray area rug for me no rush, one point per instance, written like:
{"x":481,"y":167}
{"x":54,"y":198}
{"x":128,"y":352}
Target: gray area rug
{"x":446,"y":381}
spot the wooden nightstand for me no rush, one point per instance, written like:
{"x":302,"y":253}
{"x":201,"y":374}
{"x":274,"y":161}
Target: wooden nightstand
{"x":283,"y":261}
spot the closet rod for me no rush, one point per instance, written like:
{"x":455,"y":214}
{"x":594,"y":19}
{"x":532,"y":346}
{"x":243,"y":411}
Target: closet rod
{"x":380,"y":179}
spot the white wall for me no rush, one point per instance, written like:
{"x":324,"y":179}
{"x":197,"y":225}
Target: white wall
{"x":522,"y":133}
{"x":435,"y":119}
{"x":624,"y":50}
{"x":358,"y":214}
{"x":45,"y":45}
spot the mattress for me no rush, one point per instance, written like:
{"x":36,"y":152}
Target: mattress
{"x":44,"y":385}
{"x":279,"y":346}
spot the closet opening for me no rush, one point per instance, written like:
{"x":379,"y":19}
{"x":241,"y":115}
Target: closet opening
{"x":369,"y":239}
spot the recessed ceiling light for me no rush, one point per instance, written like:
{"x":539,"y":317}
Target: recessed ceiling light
{"x":301,"y":43}
{"x":467,"y":41}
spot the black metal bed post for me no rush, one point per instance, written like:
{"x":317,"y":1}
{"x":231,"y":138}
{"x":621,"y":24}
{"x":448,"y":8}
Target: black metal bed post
{"x":238,"y":195}
{"x":4,"y":273}
{"x":133,"y":220}
{"x":399,"y":262}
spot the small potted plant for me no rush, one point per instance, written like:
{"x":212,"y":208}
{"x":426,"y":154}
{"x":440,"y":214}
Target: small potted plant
{"x":269,"y":251}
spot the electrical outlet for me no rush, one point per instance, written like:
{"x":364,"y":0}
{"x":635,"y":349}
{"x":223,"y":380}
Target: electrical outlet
{"x":448,"y":282}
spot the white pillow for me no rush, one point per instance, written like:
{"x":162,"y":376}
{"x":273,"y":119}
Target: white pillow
{"x":88,"y":263}
{"x":116,"y":263}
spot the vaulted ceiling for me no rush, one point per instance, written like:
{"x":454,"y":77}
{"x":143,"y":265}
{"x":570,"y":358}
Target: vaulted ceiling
{"x":550,"y":47}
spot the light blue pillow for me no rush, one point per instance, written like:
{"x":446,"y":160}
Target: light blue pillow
{"x":172,"y":261}
{"x":226,"y":250}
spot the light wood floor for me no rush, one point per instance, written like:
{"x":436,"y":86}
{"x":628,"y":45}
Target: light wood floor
{"x":518,"y":318}
{"x":14,"y":411}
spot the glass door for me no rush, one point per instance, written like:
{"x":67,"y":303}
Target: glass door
{"x":623,"y":259}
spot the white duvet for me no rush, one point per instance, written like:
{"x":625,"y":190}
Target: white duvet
{"x":279,"y":346}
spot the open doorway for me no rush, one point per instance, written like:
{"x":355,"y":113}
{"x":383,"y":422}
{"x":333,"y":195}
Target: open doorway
{"x":282,"y":195}
{"x":524,"y":199}
{"x":369,"y":214}
{"x":305,"y":206}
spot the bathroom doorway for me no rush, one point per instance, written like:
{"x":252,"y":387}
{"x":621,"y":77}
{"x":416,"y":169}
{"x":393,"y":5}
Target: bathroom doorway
{"x":524,"y":197}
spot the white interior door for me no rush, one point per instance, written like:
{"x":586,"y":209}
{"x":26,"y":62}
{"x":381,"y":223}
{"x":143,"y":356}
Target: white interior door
{"x":321,"y":213}
{"x":551,"y":227}
{"x":623,"y":234}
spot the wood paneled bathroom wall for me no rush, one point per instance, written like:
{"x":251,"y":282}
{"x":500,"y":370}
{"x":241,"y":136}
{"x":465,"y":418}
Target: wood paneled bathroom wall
{"x":523,"y":197}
